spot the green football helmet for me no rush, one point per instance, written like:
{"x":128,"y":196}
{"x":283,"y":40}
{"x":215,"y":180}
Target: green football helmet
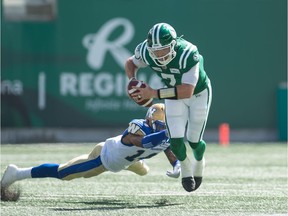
{"x":161,"y":42}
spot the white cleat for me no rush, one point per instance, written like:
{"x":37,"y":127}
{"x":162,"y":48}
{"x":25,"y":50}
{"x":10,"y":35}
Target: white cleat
{"x":9,"y":176}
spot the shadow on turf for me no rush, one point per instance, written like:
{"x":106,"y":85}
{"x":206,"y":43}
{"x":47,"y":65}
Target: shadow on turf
{"x":118,"y":204}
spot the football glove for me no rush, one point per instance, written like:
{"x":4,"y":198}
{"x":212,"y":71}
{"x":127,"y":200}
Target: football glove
{"x":176,"y":170}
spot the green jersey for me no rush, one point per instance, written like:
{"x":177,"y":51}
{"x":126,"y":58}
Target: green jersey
{"x":187,"y":56}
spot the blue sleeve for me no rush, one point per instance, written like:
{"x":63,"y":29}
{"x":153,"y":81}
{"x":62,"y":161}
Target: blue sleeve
{"x":154,"y":139}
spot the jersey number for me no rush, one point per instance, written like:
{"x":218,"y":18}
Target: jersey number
{"x":171,"y":77}
{"x":139,"y":153}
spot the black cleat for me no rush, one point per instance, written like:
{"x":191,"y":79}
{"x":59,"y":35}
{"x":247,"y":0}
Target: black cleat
{"x":198,"y":181}
{"x":188,"y":184}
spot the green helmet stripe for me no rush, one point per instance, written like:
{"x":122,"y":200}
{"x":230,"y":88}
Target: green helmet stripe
{"x":158,"y":34}
{"x":155,"y":34}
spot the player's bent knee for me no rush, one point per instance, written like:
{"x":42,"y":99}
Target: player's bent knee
{"x":139,"y":168}
{"x":143,"y":172}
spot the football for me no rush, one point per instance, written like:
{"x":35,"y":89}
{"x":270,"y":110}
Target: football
{"x":141,"y":84}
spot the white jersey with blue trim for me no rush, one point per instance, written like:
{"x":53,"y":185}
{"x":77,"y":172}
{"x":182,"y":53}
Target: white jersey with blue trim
{"x":117,"y":156}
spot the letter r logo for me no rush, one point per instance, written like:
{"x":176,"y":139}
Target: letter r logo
{"x":98,"y":44}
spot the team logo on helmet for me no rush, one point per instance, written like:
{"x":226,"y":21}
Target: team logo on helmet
{"x":156,"y":116}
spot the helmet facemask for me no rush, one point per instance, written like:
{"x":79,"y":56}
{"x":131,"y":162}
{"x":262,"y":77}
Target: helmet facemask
{"x":158,"y":125}
{"x":161,"y":43}
{"x":163,"y":54}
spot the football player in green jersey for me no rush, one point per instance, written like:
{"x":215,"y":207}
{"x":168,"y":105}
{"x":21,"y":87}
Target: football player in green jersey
{"x":187,"y":94}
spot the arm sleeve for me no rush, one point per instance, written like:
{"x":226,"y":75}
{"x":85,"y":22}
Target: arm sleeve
{"x":139,"y":62}
{"x":191,"y":77}
{"x":154,"y":139}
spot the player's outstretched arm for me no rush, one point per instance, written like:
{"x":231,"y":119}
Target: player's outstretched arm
{"x":170,"y":156}
{"x":147,"y":141}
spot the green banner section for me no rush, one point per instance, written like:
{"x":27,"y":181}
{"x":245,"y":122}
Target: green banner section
{"x":282,"y":111}
{"x":69,"y":71}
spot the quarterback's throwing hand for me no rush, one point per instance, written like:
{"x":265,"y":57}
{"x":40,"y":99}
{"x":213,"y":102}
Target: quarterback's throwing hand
{"x":176,"y":170}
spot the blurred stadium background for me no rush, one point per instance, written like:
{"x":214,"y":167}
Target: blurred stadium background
{"x":62,"y":65}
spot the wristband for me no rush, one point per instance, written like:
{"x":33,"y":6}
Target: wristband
{"x":175,"y":163}
{"x":167,"y":93}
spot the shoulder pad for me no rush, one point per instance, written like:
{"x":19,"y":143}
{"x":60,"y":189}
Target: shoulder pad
{"x":189,"y":56}
{"x":136,"y":126}
{"x":141,"y":52}
{"x":139,"y":127}
{"x":137,"y":51}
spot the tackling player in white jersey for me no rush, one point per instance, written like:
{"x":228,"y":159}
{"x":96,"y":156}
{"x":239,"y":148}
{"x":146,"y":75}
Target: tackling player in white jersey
{"x":143,"y":139}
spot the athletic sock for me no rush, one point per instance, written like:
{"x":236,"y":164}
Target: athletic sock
{"x":186,"y":168}
{"x":24,"y":173}
{"x":198,"y":167}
